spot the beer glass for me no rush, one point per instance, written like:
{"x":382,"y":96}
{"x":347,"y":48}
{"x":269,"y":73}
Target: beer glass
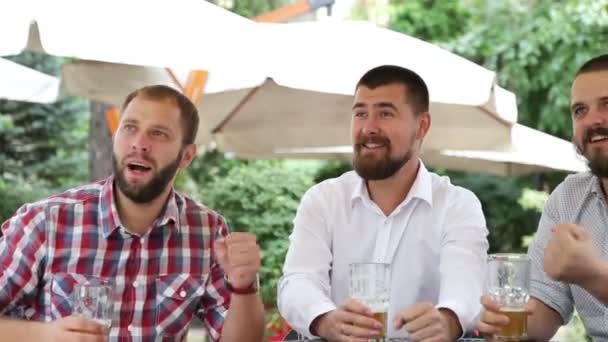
{"x":369,"y":283}
{"x":509,"y":286}
{"x":94,"y":301}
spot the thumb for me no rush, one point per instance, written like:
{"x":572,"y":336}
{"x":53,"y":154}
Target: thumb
{"x":221,"y":252}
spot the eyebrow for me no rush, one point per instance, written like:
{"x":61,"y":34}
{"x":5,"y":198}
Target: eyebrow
{"x":159,"y":127}
{"x":579,"y":103}
{"x":376,"y":105}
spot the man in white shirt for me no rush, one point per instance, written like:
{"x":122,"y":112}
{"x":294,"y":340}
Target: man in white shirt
{"x":392,"y":210}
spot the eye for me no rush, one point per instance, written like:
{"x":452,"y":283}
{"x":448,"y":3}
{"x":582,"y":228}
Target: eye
{"x":129,"y":127}
{"x":578,"y":111}
{"x":360,"y":114}
{"x":158,"y":133}
{"x":387,"y":114}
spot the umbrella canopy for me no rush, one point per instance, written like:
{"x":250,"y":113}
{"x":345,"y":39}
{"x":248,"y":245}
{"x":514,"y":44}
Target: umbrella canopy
{"x":20,"y":83}
{"x":511,"y":148}
{"x":189,"y":33}
{"x":531,"y":151}
{"x":301,"y":92}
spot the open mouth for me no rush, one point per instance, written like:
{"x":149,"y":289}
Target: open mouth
{"x":138,"y":168}
{"x":597,"y":138}
{"x":373,"y":146}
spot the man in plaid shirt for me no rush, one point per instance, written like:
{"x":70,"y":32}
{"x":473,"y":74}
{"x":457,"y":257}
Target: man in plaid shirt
{"x":167,"y":257}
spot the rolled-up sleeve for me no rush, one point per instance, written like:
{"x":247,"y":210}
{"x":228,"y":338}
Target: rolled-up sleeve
{"x":22,"y":251}
{"x":304,"y":291}
{"x":463,"y":259}
{"x":555,"y":294}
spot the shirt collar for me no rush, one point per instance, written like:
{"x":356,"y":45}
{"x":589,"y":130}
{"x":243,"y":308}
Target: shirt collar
{"x":110,"y":219}
{"x":422,"y":188}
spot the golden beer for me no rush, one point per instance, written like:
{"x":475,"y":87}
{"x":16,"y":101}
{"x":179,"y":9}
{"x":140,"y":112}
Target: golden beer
{"x":381,"y":317}
{"x":518,"y":323}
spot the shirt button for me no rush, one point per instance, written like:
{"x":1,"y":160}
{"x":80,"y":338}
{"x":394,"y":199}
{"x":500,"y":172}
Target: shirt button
{"x":182,"y":293}
{"x":130,"y":328}
{"x":135,"y":284}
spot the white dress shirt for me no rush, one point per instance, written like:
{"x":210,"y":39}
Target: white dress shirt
{"x":435,"y":241}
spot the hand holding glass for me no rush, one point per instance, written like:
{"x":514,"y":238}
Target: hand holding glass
{"x":509,"y":286}
{"x":369,"y":283}
{"x":94,"y":301}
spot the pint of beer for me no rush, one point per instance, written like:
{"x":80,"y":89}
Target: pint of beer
{"x":509,"y":286}
{"x":369,"y":283}
{"x":381,"y":317}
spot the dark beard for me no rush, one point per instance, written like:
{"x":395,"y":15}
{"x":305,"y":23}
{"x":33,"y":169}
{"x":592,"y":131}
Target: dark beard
{"x":147,"y":192}
{"x":598,"y":165}
{"x":369,"y":168}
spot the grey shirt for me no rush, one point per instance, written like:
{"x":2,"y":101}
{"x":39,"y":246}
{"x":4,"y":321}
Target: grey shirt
{"x":579,"y":200}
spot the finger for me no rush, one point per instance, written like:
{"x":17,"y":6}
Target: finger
{"x":419,"y":323}
{"x":427,"y":333}
{"x":221,"y":251}
{"x":489,"y":303}
{"x":81,"y":324}
{"x":356,"y":306}
{"x":241,"y":237}
{"x":415,"y":311}
{"x":354,"y":331}
{"x":251,"y":258}
{"x":242,"y":248}
{"x":494,"y":318}
{"x":487,"y":329}
{"x":362,"y":321}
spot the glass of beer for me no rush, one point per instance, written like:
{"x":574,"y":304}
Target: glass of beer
{"x":93,"y":300}
{"x":509,"y":286}
{"x":370,"y":284}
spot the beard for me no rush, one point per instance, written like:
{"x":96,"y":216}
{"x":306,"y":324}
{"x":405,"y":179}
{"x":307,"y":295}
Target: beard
{"x":145,"y":193}
{"x":598,"y":163}
{"x":379,"y":168}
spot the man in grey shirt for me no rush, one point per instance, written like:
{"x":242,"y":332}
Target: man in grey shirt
{"x":570,"y":252}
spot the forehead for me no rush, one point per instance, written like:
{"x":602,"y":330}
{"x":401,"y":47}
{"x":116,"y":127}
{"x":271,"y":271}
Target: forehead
{"x":162,"y":112}
{"x":589,"y":86}
{"x":395,"y":92}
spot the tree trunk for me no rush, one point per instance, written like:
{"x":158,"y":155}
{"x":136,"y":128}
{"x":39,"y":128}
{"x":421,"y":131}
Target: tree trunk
{"x":100,"y":143}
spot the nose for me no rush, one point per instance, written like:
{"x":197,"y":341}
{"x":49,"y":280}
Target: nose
{"x":597,"y":117}
{"x":370,"y":126}
{"x":141,"y":143}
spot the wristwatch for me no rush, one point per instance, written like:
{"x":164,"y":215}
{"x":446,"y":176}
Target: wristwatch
{"x":251,"y":289}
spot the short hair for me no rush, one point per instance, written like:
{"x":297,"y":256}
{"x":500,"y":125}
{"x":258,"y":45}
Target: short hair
{"x":416,"y":89}
{"x":599,"y":63}
{"x":188,"y":111}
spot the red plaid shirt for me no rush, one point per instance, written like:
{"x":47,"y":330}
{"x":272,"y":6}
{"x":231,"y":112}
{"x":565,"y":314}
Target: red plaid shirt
{"x":161,"y":279}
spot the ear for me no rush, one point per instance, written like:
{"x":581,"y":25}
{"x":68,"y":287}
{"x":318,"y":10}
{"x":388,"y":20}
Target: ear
{"x":188,"y":156}
{"x":425,"y":124}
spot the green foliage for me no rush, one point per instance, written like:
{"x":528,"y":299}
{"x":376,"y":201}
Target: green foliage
{"x":260,"y":197}
{"x":430,"y":20}
{"x":14,"y":193}
{"x":536,"y":49}
{"x":507,"y":221}
{"x":250,"y":8}
{"x":331,"y":169}
{"x":43,"y":143}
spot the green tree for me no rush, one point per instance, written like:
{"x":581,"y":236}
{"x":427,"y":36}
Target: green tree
{"x":43,"y":142}
{"x":260,"y":197}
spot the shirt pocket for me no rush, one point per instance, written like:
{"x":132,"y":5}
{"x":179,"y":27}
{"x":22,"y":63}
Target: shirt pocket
{"x":61,"y":292}
{"x":178,"y":297}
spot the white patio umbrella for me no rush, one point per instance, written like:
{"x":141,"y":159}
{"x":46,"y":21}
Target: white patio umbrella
{"x":301,"y":93}
{"x":523,"y":150}
{"x":20,"y":83}
{"x":190,"y":33}
{"x":531,"y":151}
